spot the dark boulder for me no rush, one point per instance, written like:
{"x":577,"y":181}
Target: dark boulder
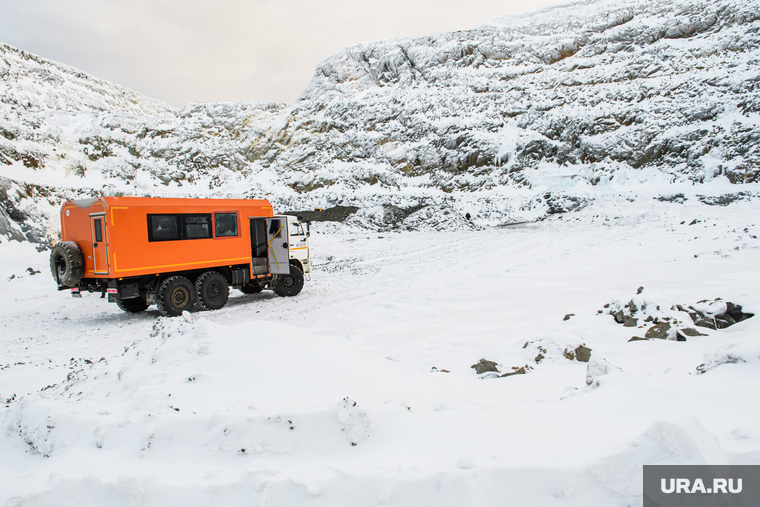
{"x":484,"y":366}
{"x":661,"y":331}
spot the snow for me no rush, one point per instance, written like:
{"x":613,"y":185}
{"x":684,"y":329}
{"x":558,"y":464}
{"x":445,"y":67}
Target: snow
{"x":339,"y":396}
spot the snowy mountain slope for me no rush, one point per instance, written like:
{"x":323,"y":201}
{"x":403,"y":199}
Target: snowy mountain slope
{"x":523,"y":116}
{"x":579,"y":89}
{"x":29,"y":83}
{"x":42,"y":104}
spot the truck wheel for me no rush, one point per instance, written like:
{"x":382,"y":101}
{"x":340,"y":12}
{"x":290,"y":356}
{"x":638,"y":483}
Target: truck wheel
{"x":132,"y":305}
{"x":175,"y":295}
{"x":211,"y":290}
{"x":290,"y":284}
{"x":67,"y":264}
{"x":251,"y":288}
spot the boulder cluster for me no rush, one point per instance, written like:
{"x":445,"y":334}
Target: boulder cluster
{"x":674,"y":322}
{"x":490,"y":369}
{"x":487,"y":369}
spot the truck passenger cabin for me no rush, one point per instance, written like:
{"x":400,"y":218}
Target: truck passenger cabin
{"x":178,"y":253}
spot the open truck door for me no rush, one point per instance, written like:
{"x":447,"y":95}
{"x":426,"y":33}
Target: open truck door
{"x":270,"y":255}
{"x":270,"y":250}
{"x":279,"y":249}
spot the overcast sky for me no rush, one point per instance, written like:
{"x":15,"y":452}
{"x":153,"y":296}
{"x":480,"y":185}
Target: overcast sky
{"x":184,"y":51}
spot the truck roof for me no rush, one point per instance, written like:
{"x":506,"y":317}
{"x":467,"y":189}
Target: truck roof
{"x":168,"y":202}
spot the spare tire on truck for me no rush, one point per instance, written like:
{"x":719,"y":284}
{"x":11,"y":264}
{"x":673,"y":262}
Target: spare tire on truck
{"x":67,"y":264}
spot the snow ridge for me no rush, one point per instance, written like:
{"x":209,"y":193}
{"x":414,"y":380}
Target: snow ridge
{"x":29,"y":83}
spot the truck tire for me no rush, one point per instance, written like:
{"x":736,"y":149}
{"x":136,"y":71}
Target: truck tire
{"x":251,"y":288}
{"x":67,"y":264}
{"x":290,"y":284}
{"x":211,"y":290}
{"x":132,"y":305}
{"x":174,"y":296}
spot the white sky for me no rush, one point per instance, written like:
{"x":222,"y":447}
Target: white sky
{"x":184,"y":51}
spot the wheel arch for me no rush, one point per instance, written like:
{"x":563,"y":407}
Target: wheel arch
{"x":297,"y":263}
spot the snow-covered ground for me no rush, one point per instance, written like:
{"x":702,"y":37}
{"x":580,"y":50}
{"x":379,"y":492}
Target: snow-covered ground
{"x":360,"y":390}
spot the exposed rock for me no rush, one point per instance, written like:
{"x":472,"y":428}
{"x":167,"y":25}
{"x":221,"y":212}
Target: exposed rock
{"x":567,"y":317}
{"x":679,"y":198}
{"x":334,"y":214}
{"x":736,"y":313}
{"x":688,"y":331}
{"x":669,"y":320}
{"x":637,"y":339}
{"x":484,"y":366}
{"x":661,"y":330}
{"x":562,"y":203}
{"x":583,"y":354}
{"x":706,"y":323}
{"x":722,"y":200}
{"x":518,"y":371}
{"x":580,"y":353}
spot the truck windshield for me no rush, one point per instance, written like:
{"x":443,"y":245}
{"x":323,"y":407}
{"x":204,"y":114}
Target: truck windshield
{"x":296,"y":229}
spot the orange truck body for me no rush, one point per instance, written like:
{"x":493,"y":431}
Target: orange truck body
{"x":126,"y":250}
{"x":178,"y":253}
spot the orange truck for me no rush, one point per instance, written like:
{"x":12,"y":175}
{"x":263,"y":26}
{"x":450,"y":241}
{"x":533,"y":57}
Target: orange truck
{"x":178,"y":253}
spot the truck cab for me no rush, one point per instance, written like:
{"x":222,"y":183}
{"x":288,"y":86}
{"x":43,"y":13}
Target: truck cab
{"x":299,"y":232}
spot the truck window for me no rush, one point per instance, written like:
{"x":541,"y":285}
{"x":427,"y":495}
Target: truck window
{"x":98,"y":230}
{"x":296,"y":229}
{"x":197,"y":226}
{"x":226,"y":224}
{"x":163,"y":227}
{"x":177,"y":227}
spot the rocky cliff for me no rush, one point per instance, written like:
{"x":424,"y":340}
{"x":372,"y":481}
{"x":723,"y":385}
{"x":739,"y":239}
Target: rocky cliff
{"x":525,"y":115}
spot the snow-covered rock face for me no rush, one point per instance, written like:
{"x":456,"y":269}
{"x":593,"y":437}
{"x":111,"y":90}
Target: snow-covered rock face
{"x":29,"y":83}
{"x":525,"y":115}
{"x":579,"y":89}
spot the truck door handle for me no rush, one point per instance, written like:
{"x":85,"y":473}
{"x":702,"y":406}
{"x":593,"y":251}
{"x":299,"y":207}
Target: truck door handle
{"x":285,"y":245}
